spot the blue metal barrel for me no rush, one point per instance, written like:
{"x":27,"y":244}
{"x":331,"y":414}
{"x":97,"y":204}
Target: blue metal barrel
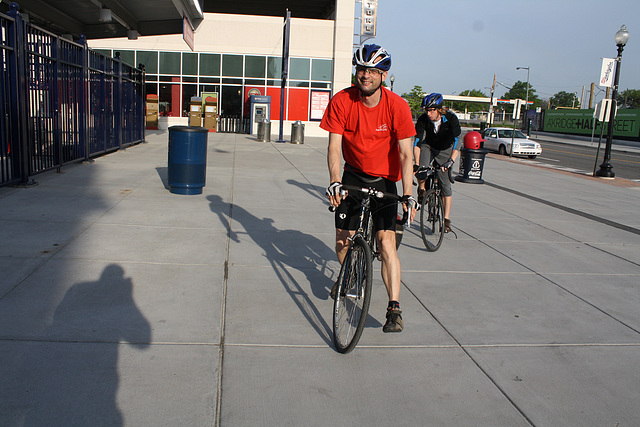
{"x":187,"y":159}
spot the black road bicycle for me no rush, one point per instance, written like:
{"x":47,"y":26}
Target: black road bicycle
{"x":353,"y":295}
{"x":432,"y":206}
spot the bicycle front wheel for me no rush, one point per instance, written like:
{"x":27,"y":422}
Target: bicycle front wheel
{"x":353,"y":296}
{"x":432,"y":220}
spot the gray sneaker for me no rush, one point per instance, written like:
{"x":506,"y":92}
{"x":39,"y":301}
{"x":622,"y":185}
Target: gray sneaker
{"x":394,"y":321}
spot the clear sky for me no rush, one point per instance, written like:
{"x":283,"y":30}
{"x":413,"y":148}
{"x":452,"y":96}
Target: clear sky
{"x":449,"y":46}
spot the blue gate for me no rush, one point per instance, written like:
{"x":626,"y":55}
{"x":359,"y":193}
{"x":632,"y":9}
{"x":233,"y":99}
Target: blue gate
{"x":61,"y":102}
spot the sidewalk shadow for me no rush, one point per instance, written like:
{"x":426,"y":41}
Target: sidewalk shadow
{"x":285,"y":250}
{"x":312,"y":190}
{"x":163,"y":174}
{"x":71,"y":377}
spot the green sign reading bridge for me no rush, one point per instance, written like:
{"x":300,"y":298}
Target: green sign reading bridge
{"x":581,"y":122}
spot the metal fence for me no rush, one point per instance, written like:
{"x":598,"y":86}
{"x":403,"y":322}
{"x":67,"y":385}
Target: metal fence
{"x":61,"y":102}
{"x":233,"y":124}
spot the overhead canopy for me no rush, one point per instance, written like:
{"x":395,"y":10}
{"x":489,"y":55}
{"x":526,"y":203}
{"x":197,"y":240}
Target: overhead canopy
{"x":152,"y":17}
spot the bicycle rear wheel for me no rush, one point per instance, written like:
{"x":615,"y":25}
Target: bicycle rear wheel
{"x":432,"y":220}
{"x":353,"y":296}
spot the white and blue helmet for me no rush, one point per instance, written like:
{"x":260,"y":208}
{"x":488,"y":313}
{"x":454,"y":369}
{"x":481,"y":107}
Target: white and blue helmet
{"x":372,"y":56}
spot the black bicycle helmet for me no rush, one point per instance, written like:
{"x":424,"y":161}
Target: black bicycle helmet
{"x":433,"y":100}
{"x":372,"y":56}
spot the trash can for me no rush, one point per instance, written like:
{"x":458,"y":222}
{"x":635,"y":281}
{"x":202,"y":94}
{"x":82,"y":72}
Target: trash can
{"x":472,"y":159}
{"x":297,"y":132}
{"x":187,"y":159}
{"x":264,"y":130}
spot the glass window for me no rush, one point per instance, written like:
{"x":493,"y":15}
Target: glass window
{"x":254,"y":82}
{"x":299,"y":68}
{"x":170,"y":63}
{"x":298,"y":84}
{"x":209,"y":80}
{"x":190,"y":79}
{"x":172,"y":79}
{"x":190,"y":64}
{"x":232,"y":65}
{"x":232,"y":81}
{"x":321,"y":85}
{"x":231,"y":100}
{"x":187,"y":92}
{"x":169,"y":100}
{"x":128,"y":56}
{"x":255,"y":66}
{"x":209,"y":64}
{"x":321,"y":69}
{"x":151,"y":88}
{"x":149,"y":59}
{"x":274,"y":67}
{"x":105,"y":52}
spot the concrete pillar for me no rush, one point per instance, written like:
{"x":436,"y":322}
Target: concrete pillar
{"x":343,"y":44}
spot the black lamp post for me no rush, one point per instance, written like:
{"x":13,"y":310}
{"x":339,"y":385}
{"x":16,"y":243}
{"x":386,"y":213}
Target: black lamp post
{"x":392,"y":79}
{"x":606,"y":170}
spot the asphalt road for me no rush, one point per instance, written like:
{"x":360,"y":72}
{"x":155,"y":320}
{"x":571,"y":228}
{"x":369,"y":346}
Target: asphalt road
{"x":625,"y":165}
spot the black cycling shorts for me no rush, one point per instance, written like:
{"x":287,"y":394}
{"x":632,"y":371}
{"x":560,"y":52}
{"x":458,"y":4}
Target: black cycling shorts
{"x":384,"y":211}
{"x":442,"y":156}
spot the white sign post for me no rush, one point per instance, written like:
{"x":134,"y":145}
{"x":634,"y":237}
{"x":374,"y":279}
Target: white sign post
{"x":603,"y":110}
{"x":603,"y":114}
{"x":518,"y":105}
{"x":516,"y":113}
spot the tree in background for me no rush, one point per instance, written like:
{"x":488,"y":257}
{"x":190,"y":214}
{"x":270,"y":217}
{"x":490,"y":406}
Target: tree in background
{"x":470,"y":107}
{"x":630,"y":98}
{"x":519,"y":91}
{"x":564,"y":99}
{"x":414,"y":98}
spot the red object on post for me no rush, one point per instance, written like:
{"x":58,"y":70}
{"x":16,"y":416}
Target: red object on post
{"x":472,"y":140}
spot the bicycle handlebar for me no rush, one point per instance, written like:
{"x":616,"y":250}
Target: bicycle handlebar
{"x":373,"y":193}
{"x":427,"y":171}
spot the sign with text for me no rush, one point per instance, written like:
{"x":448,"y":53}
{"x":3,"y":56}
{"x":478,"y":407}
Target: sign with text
{"x":608,"y":69}
{"x":580,"y":122}
{"x":369,"y":18}
{"x":319,"y":102}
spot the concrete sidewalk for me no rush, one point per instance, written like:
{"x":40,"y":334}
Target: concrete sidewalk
{"x":124,"y":304}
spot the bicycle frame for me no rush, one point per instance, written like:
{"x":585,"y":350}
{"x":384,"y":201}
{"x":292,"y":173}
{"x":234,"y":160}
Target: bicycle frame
{"x":365,"y":226}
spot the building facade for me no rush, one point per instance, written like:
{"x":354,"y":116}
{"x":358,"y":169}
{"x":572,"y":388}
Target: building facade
{"x":235,"y":56}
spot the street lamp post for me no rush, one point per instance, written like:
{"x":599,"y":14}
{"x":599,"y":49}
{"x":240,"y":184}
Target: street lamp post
{"x":606,"y":170}
{"x":526,"y":100}
{"x":392,"y":79}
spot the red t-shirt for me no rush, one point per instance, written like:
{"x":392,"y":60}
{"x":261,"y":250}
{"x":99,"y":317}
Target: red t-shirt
{"x":370,"y":135}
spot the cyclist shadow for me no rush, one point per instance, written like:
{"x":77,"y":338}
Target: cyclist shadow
{"x":313,"y":190}
{"x":287,"y":250}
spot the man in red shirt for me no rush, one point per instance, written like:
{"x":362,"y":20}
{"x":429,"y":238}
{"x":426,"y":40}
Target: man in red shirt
{"x":372,"y":128}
